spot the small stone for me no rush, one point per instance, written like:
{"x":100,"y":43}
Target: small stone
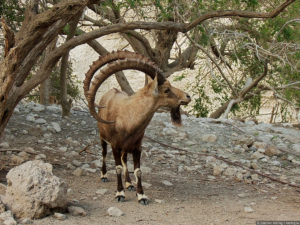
{"x":254,"y":166}
{"x":114,"y":211}
{"x":159,"y":201}
{"x":30,"y":118}
{"x":76,"y":163}
{"x":63,"y":149}
{"x":40,"y":156}
{"x":255,"y":177}
{"x":209,"y":138}
{"x":2,"y":207}
{"x":96,"y":163}
{"x":76,"y":211}
{"x":248,"y":209}
{"x":17,"y":159}
{"x":296,"y":148}
{"x":230,"y":171}
{"x":217,"y":170}
{"x":101,"y":191}
{"x":4,"y":145}
{"x":90,"y":170}
{"x":239,"y":176}
{"x":167,"y":183}
{"x":38,"y":108}
{"x":60,"y":216}
{"x":242,"y":195}
{"x":70,"y":166}
{"x":7,"y":218}
{"x":258,"y":145}
{"x":257,"y":155}
{"x":78,"y":172}
{"x":271,"y":150}
{"x":40,"y":121}
{"x":275,"y":163}
{"x":26,"y":221}
{"x":56,"y":127}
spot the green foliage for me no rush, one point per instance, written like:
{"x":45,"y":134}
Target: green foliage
{"x":12,"y":12}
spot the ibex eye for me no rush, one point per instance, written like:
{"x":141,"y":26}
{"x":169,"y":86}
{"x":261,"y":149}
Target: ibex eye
{"x":167,"y":90}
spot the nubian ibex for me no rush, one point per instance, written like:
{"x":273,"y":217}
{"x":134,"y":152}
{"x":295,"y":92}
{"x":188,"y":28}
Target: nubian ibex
{"x":122,"y":119}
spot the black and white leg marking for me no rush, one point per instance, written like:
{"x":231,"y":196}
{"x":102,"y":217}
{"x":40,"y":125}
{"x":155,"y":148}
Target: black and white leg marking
{"x":142,"y":198}
{"x":120,"y":195}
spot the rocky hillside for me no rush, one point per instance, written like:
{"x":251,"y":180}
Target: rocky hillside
{"x":219,"y":150}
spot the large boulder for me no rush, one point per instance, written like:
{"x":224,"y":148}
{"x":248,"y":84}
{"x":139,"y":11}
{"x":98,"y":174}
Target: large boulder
{"x":33,"y":191}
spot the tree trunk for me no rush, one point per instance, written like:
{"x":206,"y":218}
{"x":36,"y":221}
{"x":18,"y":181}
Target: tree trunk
{"x":45,"y":92}
{"x":65,"y":103}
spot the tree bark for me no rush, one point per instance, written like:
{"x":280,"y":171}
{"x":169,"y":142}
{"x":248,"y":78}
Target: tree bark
{"x":66,"y":103}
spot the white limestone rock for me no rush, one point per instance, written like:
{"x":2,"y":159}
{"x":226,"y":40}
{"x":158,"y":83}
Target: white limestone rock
{"x":114,"y":211}
{"x":32,"y":190}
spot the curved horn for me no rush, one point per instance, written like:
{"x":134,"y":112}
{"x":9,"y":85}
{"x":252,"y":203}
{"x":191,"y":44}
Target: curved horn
{"x":115,"y":64}
{"x":108,"y":58}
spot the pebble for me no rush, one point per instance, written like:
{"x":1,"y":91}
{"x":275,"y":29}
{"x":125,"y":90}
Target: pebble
{"x":78,"y":172}
{"x":4,"y":145}
{"x":60,"y":216}
{"x":248,"y":209}
{"x":114,"y":211}
{"x":76,"y":163}
{"x":40,"y":121}
{"x":159,"y":201}
{"x":167,"y":183}
{"x":101,"y":191}
{"x":209,"y":138}
{"x":76,"y":211}
{"x":56,"y":127}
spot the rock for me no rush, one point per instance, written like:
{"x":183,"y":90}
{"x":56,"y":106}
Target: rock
{"x":248,"y":209}
{"x":101,"y":191}
{"x":7,"y":218}
{"x":271,"y":150}
{"x":60,"y":216}
{"x":259,"y":144}
{"x":296,"y":148}
{"x":56,"y":127}
{"x":217,"y":170}
{"x":257,"y":155}
{"x":230,"y":171}
{"x":38,"y":108}
{"x":255,"y":177}
{"x":63,"y":149}
{"x":2,"y":207}
{"x":275,"y":163}
{"x":4,"y":145}
{"x":40,"y":156}
{"x":114,"y":211}
{"x":90,"y":170}
{"x":76,"y":163}
{"x":76,"y":211}
{"x":17,"y":159}
{"x":96,"y":163}
{"x":254,"y":166}
{"x":26,"y":221}
{"x":32,"y":190}
{"x":24,"y":155}
{"x":40,"y":121}
{"x":159,"y":201}
{"x":242,"y":195}
{"x":209,"y":138}
{"x":53,"y":108}
{"x":30,"y":118}
{"x":78,"y":172}
{"x":167,"y":183}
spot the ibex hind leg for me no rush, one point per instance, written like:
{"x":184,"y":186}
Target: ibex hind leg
{"x":103,"y":169}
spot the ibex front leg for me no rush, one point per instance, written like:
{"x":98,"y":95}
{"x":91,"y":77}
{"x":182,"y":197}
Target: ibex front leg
{"x":128,"y":183}
{"x":142,"y":198}
{"x":120,"y":195}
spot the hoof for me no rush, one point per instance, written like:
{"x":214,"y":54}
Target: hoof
{"x":131,"y":188}
{"x":144,"y":201}
{"x":104,"y":179}
{"x":120,"y":198}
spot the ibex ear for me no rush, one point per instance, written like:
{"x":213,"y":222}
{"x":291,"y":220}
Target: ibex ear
{"x":154,"y":86}
{"x":176,"y":116}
